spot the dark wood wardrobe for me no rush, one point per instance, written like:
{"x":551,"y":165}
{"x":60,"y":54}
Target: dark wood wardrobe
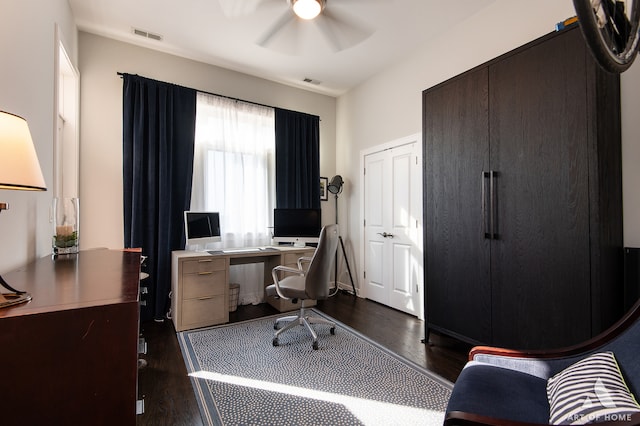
{"x":523,"y":198}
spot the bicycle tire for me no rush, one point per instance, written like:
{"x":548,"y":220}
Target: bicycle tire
{"x":614,"y":45}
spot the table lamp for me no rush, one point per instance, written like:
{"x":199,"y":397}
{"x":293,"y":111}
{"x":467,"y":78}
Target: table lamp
{"x":19,"y":169}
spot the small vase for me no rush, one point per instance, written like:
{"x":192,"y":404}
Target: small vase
{"x":66,"y":216}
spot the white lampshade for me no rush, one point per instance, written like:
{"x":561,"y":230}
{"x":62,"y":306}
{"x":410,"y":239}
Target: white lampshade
{"x":307,"y":9}
{"x":19,"y":166}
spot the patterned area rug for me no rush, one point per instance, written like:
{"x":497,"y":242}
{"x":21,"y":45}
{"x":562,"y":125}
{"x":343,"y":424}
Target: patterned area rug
{"x":240,"y":378}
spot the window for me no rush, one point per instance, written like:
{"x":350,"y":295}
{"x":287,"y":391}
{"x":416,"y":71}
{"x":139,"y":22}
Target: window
{"x":234,"y":174}
{"x":66,"y":151}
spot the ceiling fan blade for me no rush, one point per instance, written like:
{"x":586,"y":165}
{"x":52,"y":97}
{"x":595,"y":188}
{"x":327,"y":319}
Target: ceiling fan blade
{"x":341,"y":32}
{"x":284,"y":19}
{"x":324,"y":24}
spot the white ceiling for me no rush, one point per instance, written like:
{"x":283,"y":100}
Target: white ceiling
{"x":226,"y":33}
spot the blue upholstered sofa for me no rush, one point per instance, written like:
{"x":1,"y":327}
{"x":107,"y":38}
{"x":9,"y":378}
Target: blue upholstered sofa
{"x":506,"y":387}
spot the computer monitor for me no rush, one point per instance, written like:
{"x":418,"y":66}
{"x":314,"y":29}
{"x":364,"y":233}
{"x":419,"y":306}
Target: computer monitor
{"x":297,"y":226}
{"x":201,"y":228}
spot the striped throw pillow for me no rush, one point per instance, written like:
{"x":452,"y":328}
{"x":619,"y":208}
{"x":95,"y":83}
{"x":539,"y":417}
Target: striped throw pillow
{"x":590,"y":390}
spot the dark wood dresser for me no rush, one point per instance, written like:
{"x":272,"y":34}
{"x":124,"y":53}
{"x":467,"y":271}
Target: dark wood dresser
{"x":70,"y":355}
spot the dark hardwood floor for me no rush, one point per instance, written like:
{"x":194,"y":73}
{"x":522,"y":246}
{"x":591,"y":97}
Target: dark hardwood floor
{"x":168,"y":394}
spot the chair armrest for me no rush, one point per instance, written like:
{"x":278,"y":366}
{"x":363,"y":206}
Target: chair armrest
{"x":303,"y":260}
{"x":503,"y":352}
{"x":542,"y":364}
{"x":276,"y":278}
{"x":287,"y":269}
{"x":565,"y":352}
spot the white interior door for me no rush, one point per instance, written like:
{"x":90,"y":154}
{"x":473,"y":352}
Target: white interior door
{"x":392,"y":227}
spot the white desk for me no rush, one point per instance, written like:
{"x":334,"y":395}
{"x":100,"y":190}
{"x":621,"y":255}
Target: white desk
{"x":200,"y":282}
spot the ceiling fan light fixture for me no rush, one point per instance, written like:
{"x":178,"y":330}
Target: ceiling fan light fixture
{"x":307,"y":9}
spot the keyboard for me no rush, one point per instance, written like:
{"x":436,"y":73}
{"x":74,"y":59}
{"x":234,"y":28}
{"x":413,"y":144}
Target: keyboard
{"x":243,"y":250}
{"x":239,"y":250}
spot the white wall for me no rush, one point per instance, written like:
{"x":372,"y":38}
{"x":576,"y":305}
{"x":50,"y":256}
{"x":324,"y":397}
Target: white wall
{"x":101,"y":121}
{"x":388,"y":106}
{"x":27,"y":46}
{"x":630,"y":94}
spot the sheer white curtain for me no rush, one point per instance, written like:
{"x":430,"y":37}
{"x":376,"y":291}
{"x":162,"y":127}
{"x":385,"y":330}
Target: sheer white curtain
{"x":234,"y":174}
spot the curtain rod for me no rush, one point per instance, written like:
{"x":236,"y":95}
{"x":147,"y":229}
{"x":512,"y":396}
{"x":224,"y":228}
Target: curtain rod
{"x":121,"y":74}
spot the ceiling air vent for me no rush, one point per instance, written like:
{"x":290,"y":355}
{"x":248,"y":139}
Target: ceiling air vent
{"x":146,"y":34}
{"x":311,"y":81}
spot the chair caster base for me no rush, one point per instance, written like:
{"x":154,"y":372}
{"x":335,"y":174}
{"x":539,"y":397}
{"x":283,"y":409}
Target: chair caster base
{"x":315,"y":346}
{"x":275,"y":342}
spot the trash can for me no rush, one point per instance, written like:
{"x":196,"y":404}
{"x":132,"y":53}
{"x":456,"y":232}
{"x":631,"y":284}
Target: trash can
{"x":234,"y":292}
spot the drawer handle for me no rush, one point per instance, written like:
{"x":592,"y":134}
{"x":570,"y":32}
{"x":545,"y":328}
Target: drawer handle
{"x":205,"y":260}
{"x":205,"y":298}
{"x":205,"y":273}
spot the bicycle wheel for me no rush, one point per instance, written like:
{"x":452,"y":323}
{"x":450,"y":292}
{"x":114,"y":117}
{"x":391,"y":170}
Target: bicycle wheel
{"x":610,"y":29}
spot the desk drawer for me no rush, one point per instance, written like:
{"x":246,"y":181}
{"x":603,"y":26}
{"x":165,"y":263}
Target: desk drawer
{"x":205,"y":311}
{"x":291,"y":259}
{"x":202,"y":265}
{"x":203,"y":284}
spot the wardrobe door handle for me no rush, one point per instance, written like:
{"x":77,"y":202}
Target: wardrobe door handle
{"x":483,"y":183}
{"x":493,"y":191}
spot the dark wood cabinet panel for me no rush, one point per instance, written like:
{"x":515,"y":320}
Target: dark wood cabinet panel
{"x":540,"y":261}
{"x":542,"y":182}
{"x":456,"y":151}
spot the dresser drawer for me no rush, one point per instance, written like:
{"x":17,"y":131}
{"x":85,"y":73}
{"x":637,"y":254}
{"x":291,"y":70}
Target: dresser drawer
{"x":203,"y":265}
{"x":205,"y":311}
{"x":203,"y":284}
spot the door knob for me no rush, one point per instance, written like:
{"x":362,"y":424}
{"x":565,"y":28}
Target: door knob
{"x":385,"y":235}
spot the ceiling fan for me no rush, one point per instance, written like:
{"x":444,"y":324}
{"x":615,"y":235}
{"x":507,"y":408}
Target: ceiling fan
{"x":340,"y":29}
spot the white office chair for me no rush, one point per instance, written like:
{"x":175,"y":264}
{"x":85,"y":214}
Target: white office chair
{"x":309,"y":284}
